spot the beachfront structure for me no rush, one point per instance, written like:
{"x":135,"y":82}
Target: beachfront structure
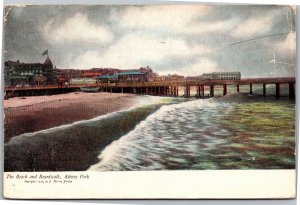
{"x":130,"y":76}
{"x":222,"y":76}
{"x":17,"y":73}
{"x":169,"y":77}
{"x":82,"y":81}
{"x":149,"y":74}
{"x":107,"y":78}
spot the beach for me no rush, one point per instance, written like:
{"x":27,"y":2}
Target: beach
{"x":67,"y":132}
{"x":34,"y":113}
{"x":115,"y":132}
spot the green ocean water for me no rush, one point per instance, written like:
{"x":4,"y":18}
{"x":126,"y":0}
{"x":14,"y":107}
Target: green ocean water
{"x":234,"y":133}
{"x":263,"y":135}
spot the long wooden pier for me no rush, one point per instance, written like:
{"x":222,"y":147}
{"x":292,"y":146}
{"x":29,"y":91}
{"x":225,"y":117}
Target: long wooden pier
{"x":164,"y":88}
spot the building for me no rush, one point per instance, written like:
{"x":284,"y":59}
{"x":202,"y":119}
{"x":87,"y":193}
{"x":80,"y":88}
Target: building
{"x":49,"y":72}
{"x":132,"y":76}
{"x":17,"y":73}
{"x":195,"y":78}
{"x":150,"y":75}
{"x":83,"y":81}
{"x":90,"y":73}
{"x":106,"y":78}
{"x":107,"y":71}
{"x":128,"y":76}
{"x":64,"y":75}
{"x":169,"y":77}
{"x":222,"y":76}
{"x":107,"y":75}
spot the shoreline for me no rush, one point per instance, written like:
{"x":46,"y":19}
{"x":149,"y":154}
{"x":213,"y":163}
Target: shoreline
{"x":36,"y":113}
{"x":77,"y":146}
{"x":72,"y":148}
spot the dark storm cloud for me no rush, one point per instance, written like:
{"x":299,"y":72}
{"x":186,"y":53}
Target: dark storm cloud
{"x":24,"y":39}
{"x":132,"y":36}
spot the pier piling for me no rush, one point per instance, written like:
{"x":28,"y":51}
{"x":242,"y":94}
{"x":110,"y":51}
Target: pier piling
{"x":292,"y":90}
{"x":202,"y":90}
{"x":264,"y":90}
{"x":187,"y":91}
{"x":211,"y":90}
{"x":277,"y":90}
{"x":198,"y":91}
{"x":224,"y":89}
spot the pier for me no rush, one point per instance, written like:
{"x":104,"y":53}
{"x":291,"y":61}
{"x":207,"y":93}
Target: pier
{"x":163,"y":88}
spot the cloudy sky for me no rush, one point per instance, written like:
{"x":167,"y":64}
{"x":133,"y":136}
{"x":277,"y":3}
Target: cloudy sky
{"x":183,"y":39}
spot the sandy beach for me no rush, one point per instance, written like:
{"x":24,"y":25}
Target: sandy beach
{"x":34,"y":113}
{"x":72,"y":147}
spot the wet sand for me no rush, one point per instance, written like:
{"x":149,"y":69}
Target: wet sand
{"x":34,"y":113}
{"x":75,"y":148}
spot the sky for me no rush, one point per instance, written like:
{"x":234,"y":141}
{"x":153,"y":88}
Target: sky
{"x":188,"y":39}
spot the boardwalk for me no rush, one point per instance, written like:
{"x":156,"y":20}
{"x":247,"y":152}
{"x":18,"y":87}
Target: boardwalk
{"x":164,"y":88}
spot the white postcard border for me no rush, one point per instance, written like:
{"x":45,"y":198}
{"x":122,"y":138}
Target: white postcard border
{"x":204,"y":184}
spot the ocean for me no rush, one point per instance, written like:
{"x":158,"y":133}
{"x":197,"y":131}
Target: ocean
{"x":164,"y":133}
{"x":207,"y":134}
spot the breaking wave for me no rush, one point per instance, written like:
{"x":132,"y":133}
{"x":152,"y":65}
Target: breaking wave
{"x":176,"y":136}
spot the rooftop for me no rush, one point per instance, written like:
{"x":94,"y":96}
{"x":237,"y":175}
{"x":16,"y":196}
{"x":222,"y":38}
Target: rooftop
{"x":223,"y":73}
{"x":131,"y":73}
{"x":114,"y":76}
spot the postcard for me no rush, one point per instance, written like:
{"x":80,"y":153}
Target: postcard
{"x":177,"y":101}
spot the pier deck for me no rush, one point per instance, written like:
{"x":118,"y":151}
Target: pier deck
{"x":163,"y":88}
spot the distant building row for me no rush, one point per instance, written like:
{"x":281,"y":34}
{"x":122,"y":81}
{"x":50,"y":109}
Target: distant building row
{"x":143,"y":74}
{"x":24,"y":74}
